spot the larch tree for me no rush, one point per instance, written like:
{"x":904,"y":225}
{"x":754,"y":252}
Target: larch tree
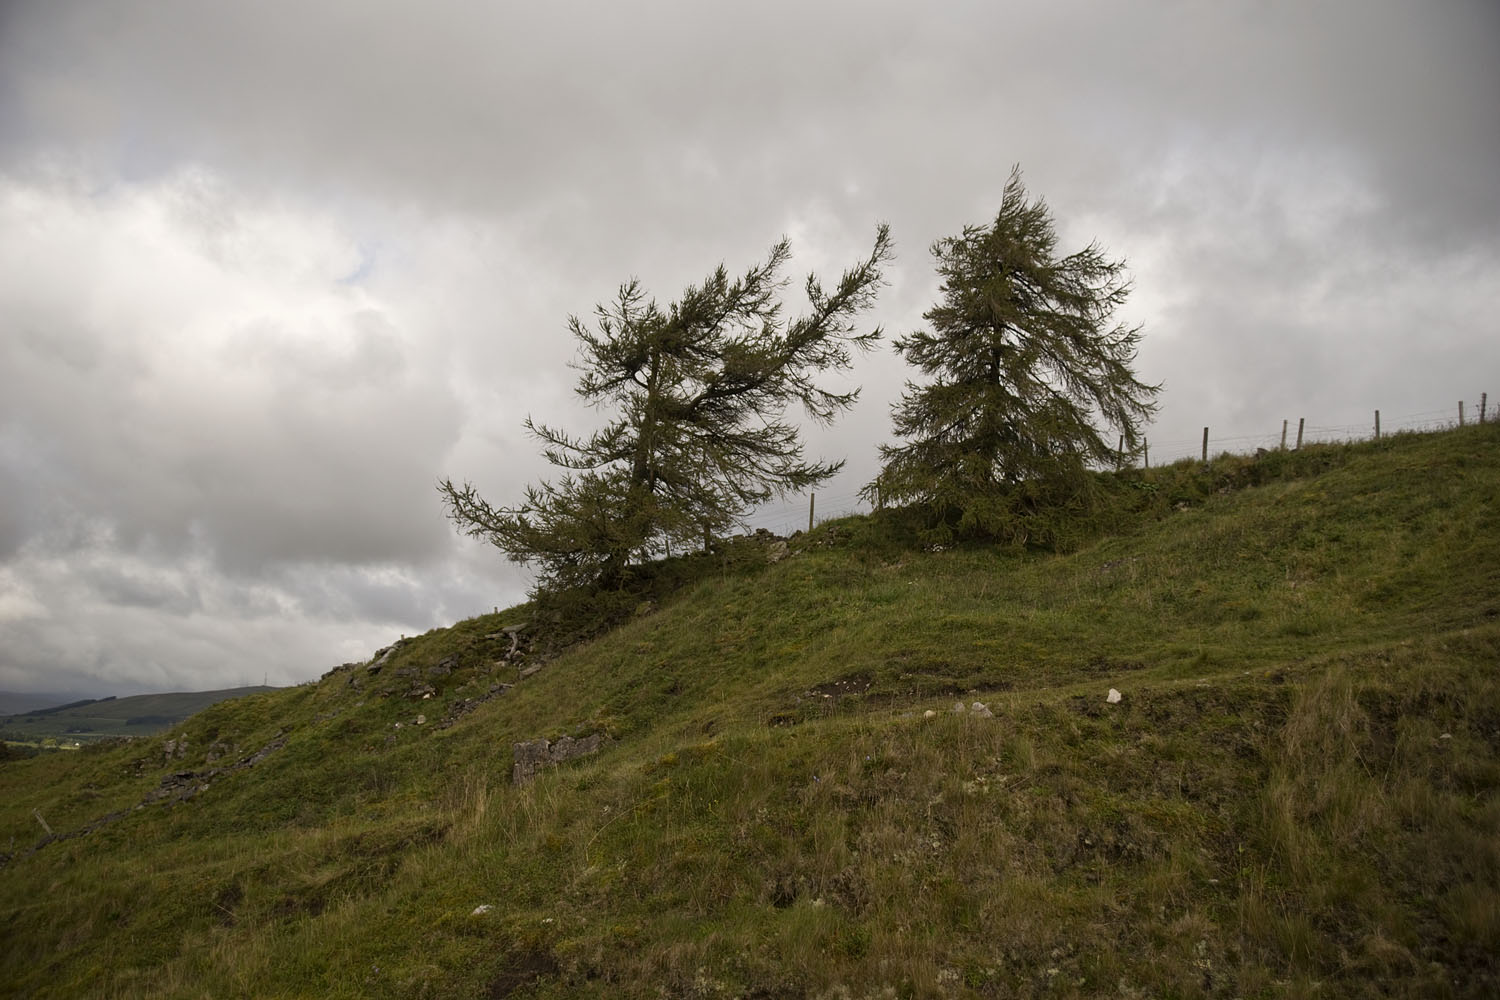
{"x":1028,"y":381}
{"x":701,"y":394}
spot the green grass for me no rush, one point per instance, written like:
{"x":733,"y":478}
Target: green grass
{"x":1297,"y":796}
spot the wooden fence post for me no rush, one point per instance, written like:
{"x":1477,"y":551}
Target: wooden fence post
{"x":812,"y":502}
{"x":1146,"y":451}
{"x":1300,"y":422}
{"x":1377,"y":425}
{"x":1460,"y":413}
{"x":1205,"y":444}
{"x":1283,"y":435}
{"x":1120,"y":454}
{"x":1484,"y":398}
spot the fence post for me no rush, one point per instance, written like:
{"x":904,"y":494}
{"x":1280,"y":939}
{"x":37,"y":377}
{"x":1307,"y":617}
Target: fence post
{"x":1205,"y":444}
{"x":1460,"y":413}
{"x":812,"y":502}
{"x":1283,"y":435}
{"x":1146,"y":450}
{"x":1120,"y":454}
{"x":1484,"y":398}
{"x":1377,"y":425}
{"x":1300,"y":422}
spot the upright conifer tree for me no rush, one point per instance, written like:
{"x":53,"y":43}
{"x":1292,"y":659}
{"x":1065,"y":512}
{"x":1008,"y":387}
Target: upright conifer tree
{"x":1028,"y":380}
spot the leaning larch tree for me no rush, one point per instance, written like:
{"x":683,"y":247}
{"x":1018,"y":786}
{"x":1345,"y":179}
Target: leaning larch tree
{"x":700,"y":431}
{"x":1029,"y":381}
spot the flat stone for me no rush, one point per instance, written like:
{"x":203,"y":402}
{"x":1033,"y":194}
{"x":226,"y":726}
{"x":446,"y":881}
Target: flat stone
{"x":531,"y":756}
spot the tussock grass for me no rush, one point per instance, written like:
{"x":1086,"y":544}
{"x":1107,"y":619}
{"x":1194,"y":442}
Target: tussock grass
{"x":1297,"y":796}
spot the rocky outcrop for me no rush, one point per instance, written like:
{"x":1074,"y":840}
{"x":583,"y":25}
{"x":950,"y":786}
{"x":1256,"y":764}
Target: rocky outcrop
{"x":459,"y":709}
{"x":533,"y":756}
{"x":512,"y":635}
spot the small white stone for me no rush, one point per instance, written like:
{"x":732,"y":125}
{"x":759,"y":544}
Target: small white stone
{"x":481,"y":910}
{"x":929,"y":714}
{"x":958,"y":706}
{"x":421,"y":720}
{"x":1113,"y":697}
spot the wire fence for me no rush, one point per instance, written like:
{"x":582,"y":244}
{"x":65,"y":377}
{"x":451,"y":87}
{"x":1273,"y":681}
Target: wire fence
{"x":1294,"y":433}
{"x":796,"y":513}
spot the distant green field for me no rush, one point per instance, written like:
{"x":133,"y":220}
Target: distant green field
{"x":137,"y":715}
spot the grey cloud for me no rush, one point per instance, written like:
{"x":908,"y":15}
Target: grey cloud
{"x":491,"y":105}
{"x":130,"y":587}
{"x":299,"y":432}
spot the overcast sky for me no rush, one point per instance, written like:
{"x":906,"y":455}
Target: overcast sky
{"x":269,"y":271}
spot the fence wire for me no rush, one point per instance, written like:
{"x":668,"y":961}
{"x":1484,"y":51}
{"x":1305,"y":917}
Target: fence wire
{"x":790,"y":515}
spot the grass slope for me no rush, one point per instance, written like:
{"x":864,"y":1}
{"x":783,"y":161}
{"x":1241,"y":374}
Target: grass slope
{"x":134,"y":715}
{"x":1297,"y":796}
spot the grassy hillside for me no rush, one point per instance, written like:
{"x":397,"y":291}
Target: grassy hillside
{"x":1298,"y":793}
{"x":100,"y":718}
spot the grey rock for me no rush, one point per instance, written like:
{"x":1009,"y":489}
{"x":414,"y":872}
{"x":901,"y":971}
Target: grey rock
{"x":532,"y":756}
{"x":383,"y":656}
{"x":776,"y":552}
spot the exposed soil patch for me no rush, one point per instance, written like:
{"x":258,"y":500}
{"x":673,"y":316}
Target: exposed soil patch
{"x":822,"y":699}
{"x":521,"y":970}
{"x":854,"y":685}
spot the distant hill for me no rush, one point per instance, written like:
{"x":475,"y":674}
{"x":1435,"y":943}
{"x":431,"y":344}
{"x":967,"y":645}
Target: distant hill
{"x":91,"y":719}
{"x":21,"y":702}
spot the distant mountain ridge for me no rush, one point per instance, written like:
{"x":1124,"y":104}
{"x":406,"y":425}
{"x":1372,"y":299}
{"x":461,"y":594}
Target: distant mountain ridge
{"x":21,"y":702}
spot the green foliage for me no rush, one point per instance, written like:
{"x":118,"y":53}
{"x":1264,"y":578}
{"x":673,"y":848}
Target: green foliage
{"x":1022,"y":364}
{"x":1306,"y":646}
{"x":698,"y":436}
